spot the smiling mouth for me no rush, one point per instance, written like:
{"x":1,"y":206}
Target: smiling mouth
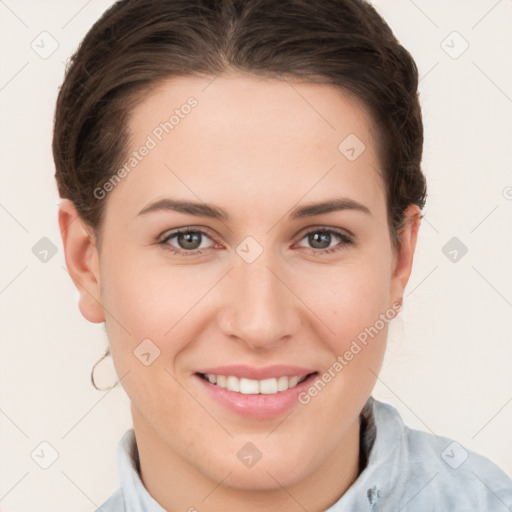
{"x":246,"y":386}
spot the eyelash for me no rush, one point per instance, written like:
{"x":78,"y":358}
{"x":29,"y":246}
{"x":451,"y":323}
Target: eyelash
{"x":346,"y":241}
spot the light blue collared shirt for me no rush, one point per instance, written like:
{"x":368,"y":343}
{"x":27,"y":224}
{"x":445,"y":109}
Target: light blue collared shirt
{"x":407,"y":470}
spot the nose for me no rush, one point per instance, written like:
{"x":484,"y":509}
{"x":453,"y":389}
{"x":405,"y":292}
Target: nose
{"x":262,"y":310}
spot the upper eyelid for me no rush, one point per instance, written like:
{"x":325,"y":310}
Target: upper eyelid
{"x":336,"y":231}
{"x":185,"y":229}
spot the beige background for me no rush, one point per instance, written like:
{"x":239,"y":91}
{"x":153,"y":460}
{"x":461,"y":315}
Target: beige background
{"x":448,"y":365}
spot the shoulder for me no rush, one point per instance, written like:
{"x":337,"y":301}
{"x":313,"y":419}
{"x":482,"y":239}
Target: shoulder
{"x":449,"y":475}
{"x":467,"y":476}
{"x":114,"y":504}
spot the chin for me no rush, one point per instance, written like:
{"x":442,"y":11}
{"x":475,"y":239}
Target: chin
{"x":261,"y":477}
{"x":257,"y":482}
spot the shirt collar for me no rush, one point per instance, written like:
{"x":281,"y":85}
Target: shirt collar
{"x":383,"y":440}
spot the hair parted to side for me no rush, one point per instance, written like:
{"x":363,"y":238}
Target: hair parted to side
{"x":136,"y":44}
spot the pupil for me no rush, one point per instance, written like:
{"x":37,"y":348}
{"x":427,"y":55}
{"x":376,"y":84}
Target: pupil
{"x":315,"y":237}
{"x":188,"y":239}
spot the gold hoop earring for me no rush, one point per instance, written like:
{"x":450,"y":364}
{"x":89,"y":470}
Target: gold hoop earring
{"x":104,"y":356}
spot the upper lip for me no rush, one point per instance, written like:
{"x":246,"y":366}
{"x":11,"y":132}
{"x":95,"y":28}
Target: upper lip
{"x":267,"y":372}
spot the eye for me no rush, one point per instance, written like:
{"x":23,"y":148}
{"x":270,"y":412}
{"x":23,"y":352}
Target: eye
{"x":188,"y":240}
{"x":321,"y":237}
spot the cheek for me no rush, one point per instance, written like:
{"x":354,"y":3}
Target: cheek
{"x":146,"y":305}
{"x":149,"y":297}
{"x":355,"y":307}
{"x":347,"y":298}
{"x":166,"y":304}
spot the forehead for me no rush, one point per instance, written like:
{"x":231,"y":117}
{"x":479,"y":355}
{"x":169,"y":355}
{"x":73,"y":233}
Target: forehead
{"x":212,"y":136}
{"x":240,"y":105}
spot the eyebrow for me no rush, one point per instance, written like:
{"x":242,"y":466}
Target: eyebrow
{"x":216,"y":212}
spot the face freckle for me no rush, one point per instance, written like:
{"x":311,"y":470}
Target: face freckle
{"x":260,"y":293}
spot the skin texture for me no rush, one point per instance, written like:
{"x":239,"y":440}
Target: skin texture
{"x":258,"y":148}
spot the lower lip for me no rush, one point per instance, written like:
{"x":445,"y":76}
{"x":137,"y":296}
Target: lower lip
{"x":258,"y":406}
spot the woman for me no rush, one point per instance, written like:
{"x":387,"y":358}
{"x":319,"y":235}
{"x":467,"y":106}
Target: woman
{"x":245,"y":179}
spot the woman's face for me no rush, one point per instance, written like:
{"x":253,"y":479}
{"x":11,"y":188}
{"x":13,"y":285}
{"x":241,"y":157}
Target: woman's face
{"x":255,"y":290}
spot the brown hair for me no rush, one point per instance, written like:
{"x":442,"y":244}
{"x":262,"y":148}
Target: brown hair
{"x":136,"y":44}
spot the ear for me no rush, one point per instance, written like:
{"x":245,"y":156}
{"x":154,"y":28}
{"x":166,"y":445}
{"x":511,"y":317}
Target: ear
{"x":402,"y":262}
{"x":82,"y":261}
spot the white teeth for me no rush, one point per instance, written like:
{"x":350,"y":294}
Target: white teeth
{"x":292,"y":381}
{"x":233,"y":383}
{"x":268,"y":386}
{"x":247,"y":386}
{"x":252,"y":386}
{"x":282,"y":384}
